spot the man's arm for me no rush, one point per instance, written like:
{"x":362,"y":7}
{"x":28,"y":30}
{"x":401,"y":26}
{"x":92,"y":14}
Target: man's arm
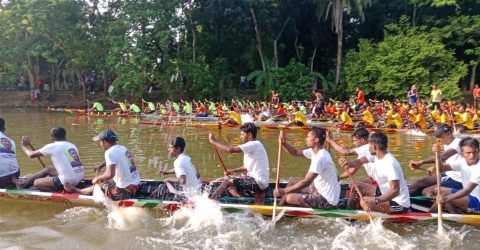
{"x":182,"y":180}
{"x":461,"y":193}
{"x":28,"y":151}
{"x":217,"y":144}
{"x":291,"y":149}
{"x":444,"y":156}
{"x":106,"y":176}
{"x":338,"y":147}
{"x":393,"y":192}
{"x":309,"y":177}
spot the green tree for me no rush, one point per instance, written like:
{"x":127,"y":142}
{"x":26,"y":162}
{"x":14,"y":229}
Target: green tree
{"x":406,"y":56}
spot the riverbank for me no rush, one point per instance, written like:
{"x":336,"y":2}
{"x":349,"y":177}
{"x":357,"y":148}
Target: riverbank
{"x":63,"y":99}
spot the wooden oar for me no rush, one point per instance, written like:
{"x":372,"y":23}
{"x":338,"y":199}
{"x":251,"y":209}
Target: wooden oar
{"x":277,"y":180}
{"x":39,"y":159}
{"x":221,"y":160}
{"x":359,"y":193}
{"x":439,"y":205}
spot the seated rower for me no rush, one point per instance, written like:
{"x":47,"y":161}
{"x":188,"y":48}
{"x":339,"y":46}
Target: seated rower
{"x":360,"y":143}
{"x":120,"y":179}
{"x":122,"y":107}
{"x":392,"y":196}
{"x":367,"y":118}
{"x":150,"y":108}
{"x":466,"y":200}
{"x":450,"y":179}
{"x":67,"y":167}
{"x":187,"y":178}
{"x":97,"y":106}
{"x":134,"y":109}
{"x":233,"y":119}
{"x":418,"y":120}
{"x":298,"y":119}
{"x":320,"y":187}
{"x":255,"y":165}
{"x":394,"y":119}
{"x":347,"y":122}
{"x":9,"y":169}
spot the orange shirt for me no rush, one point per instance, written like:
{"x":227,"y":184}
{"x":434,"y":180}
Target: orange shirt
{"x":281,"y":111}
{"x":476,"y":92}
{"x":361,"y":98}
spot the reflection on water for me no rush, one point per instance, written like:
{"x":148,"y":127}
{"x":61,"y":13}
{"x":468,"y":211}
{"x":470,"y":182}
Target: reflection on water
{"x":32,"y":225}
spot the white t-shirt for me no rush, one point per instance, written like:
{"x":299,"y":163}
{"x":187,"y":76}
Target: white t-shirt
{"x":66,"y":160}
{"x":8,"y":156}
{"x":455,"y":144}
{"x":363,"y":151}
{"x":255,"y":160}
{"x":125,"y":171}
{"x":326,"y":181}
{"x":468,"y":173}
{"x":385,"y":170}
{"x":183,"y":165}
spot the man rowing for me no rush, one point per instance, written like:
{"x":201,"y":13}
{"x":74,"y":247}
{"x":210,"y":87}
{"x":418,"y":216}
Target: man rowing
{"x":450,"y":179}
{"x":360,"y":143}
{"x":9,"y":168}
{"x":120,"y":179}
{"x":150,"y":108}
{"x":122,"y":107}
{"x":392,"y":195}
{"x":97,"y":106}
{"x":320,"y":187}
{"x":297,"y":118}
{"x":233,"y":117}
{"x":187,"y":178}
{"x":466,"y":200}
{"x":67,"y":167}
{"x":255,"y":165}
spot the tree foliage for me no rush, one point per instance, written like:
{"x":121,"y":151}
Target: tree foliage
{"x":407,"y":55}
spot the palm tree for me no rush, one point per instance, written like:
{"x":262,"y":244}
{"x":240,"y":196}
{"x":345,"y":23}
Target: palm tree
{"x":338,"y":7}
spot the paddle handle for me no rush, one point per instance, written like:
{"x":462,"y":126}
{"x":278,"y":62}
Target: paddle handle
{"x":359,"y":193}
{"x":221,"y":160}
{"x":439,"y":205}
{"x":277,"y":179}
{"x":39,"y":159}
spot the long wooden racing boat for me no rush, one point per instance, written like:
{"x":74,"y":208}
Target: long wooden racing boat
{"x":232,"y":204}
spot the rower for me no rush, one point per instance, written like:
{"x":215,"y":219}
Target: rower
{"x":392,"y":195}
{"x":9,"y":169}
{"x":150,"y":108}
{"x":367,"y":118}
{"x":233,"y":119}
{"x":299,"y":119}
{"x":419,"y":120}
{"x":360,"y":143}
{"x":120,"y":179}
{"x":133,"y":108}
{"x":122,"y":107}
{"x":255,"y":164}
{"x":67,"y":167}
{"x":320,"y":187}
{"x":450,"y":179}
{"x":347,"y":122}
{"x":466,"y":200}
{"x":97,"y":106}
{"x":187,"y":178}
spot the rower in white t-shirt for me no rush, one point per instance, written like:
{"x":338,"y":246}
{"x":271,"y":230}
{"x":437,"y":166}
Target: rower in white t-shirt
{"x":320,"y":187}
{"x":393,"y":196}
{"x":450,"y":179}
{"x":466,"y":200}
{"x":360,"y":143}
{"x":120,"y":179}
{"x":67,"y":167}
{"x":255,"y":165}
{"x":8,"y":159}
{"x":186,"y":177}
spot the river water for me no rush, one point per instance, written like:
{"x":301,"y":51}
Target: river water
{"x":26,"y":225}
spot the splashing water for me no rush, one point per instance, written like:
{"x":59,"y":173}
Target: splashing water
{"x":370,"y":236}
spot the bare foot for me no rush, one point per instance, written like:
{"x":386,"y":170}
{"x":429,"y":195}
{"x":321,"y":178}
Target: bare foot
{"x":71,"y":188}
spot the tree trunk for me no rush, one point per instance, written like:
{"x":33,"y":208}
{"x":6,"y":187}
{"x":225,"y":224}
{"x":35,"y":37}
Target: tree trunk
{"x":414,"y":15}
{"x":474,"y":73}
{"x":259,"y":40}
{"x":296,"y":48}
{"x":276,"y":41}
{"x":30,"y":72}
{"x":338,"y":22}
{"x":105,"y":81}
{"x":194,"y":41}
{"x":53,"y":78}
{"x":315,"y":80}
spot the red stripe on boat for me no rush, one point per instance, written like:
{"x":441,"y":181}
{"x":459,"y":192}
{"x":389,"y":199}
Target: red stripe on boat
{"x":65,"y":195}
{"x":126,"y":203}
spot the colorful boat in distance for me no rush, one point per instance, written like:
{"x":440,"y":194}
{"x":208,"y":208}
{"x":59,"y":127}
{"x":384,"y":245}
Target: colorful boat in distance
{"x":231,"y":204}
